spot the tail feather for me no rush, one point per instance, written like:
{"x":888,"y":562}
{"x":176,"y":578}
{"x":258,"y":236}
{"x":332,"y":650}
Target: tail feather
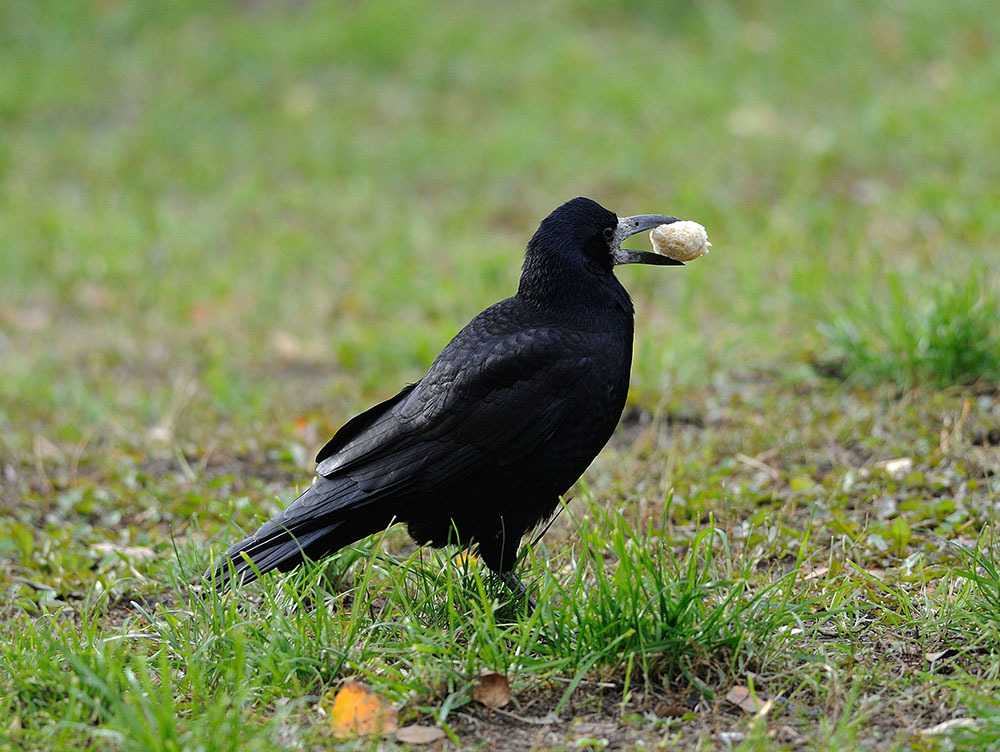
{"x":283,"y":551}
{"x":321,"y":521}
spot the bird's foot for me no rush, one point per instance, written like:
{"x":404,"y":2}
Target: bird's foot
{"x":518,"y":588}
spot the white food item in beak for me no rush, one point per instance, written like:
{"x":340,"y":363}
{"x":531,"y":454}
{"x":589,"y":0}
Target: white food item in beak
{"x":681,"y":241}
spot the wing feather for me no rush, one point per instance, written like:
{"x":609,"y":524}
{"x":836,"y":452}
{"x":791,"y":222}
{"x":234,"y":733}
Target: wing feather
{"x":467,"y":416}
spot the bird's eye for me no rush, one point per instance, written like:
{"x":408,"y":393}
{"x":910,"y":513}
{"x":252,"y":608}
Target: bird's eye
{"x":609,"y":233}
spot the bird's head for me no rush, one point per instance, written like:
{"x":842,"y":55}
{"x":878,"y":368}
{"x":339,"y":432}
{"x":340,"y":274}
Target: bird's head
{"x":594,"y":234}
{"x":583,"y":235}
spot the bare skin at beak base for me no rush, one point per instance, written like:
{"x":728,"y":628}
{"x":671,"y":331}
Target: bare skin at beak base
{"x":629,"y":226}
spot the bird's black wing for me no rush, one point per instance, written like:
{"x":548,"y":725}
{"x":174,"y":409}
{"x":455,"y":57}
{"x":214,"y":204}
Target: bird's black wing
{"x":359,"y":423}
{"x":488,"y":401}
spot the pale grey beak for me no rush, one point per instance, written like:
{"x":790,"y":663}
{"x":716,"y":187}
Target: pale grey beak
{"x":629,"y":226}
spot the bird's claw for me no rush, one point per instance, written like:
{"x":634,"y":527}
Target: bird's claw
{"x":518,"y":588}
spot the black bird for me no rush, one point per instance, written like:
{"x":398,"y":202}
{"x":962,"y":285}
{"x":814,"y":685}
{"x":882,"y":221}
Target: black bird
{"x":509,"y":415}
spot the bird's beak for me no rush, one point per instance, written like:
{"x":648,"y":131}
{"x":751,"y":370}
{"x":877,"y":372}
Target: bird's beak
{"x":629,"y":226}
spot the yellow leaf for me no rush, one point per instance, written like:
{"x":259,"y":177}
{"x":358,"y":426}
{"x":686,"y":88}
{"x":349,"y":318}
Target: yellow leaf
{"x":357,"y":711}
{"x":801,"y":483}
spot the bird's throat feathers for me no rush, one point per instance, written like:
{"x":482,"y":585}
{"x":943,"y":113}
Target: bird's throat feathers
{"x":558,"y":275}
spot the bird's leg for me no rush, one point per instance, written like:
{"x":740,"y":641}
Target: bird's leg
{"x":513,"y":582}
{"x":498,"y":550}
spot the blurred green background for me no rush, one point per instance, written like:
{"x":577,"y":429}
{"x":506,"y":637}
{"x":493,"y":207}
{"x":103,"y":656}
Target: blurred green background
{"x":226,"y":227}
{"x":258,"y":193}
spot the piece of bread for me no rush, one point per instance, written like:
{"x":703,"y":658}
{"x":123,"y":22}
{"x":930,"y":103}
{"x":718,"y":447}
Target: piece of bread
{"x":681,"y":241}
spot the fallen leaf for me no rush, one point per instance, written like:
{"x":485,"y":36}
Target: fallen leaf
{"x":161,"y":433}
{"x":801,"y":483}
{"x":816,"y":573}
{"x":666,"y":709}
{"x":26,"y":319}
{"x":286,"y":345}
{"x":45,"y":449}
{"x":306,"y":430}
{"x":132,"y":552}
{"x":764,"y":709}
{"x":885,"y":507}
{"x":938,"y":655}
{"x":897,"y":469}
{"x":877,"y":542}
{"x":465,"y":559}
{"x":744,"y":699}
{"x":493,"y":690}
{"x":417,"y":734}
{"x":789,"y":735}
{"x":200,"y":313}
{"x":357,"y":711}
{"x":946,"y":726}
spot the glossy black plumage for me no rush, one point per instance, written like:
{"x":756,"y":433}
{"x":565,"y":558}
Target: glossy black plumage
{"x":506,"y":419}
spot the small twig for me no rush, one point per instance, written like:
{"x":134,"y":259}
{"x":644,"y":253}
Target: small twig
{"x":546,"y":720}
{"x":77,"y":454}
{"x":948,"y":436}
{"x":40,"y":464}
{"x":188,"y":472}
{"x":132,"y":636}
{"x":206,"y":457}
{"x":588,"y":682}
{"x":471,"y":718}
{"x":757,"y":464}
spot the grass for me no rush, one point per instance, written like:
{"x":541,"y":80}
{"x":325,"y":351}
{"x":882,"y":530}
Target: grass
{"x":228,"y":227}
{"x":983,"y":571}
{"x":942,"y":336}
{"x":662,"y":616}
{"x":181,"y":677}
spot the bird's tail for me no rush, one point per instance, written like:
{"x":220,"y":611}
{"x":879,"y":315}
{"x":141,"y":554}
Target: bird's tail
{"x":324,"y":519}
{"x":281,"y":543}
{"x":281,"y":550}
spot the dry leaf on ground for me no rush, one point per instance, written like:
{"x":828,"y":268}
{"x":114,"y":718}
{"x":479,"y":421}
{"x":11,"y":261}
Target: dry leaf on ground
{"x":417,"y":734}
{"x":465,"y":558}
{"x":816,"y":573}
{"x":949,"y":726}
{"x":357,"y":711}
{"x":666,"y":709}
{"x":940,"y":654}
{"x":897,"y":468}
{"x":744,"y":699}
{"x":493,"y":690}
{"x":132,"y":552}
{"x":789,"y":735}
